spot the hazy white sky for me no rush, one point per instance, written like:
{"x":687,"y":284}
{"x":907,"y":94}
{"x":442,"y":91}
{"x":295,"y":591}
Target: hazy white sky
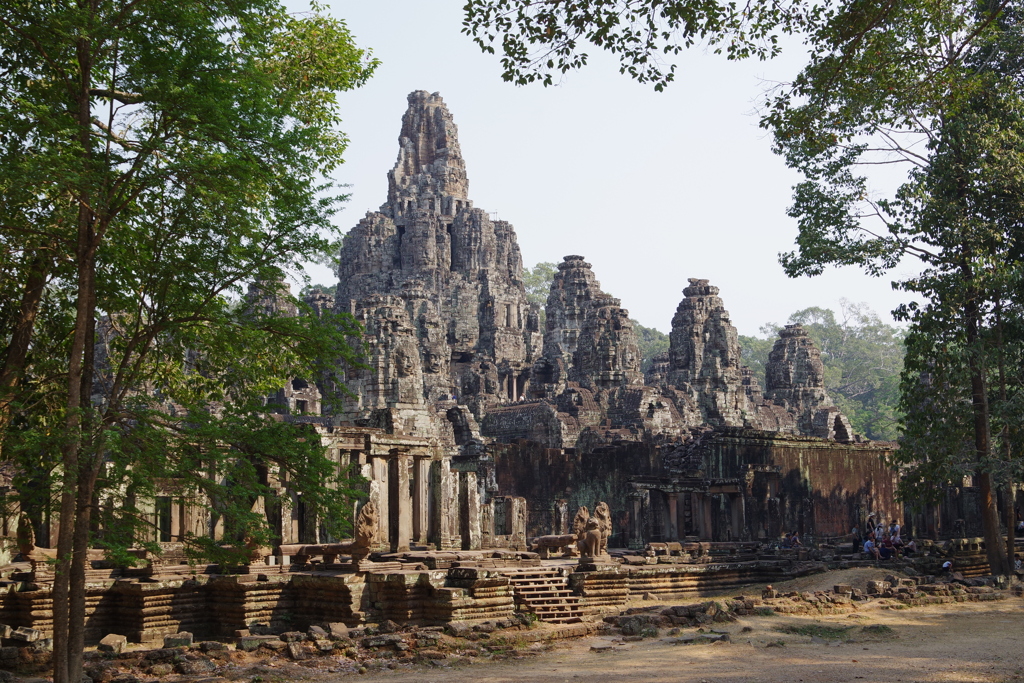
{"x":652,"y":188}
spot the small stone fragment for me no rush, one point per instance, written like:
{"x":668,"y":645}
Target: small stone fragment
{"x":179,"y":639}
{"x":113,"y":642}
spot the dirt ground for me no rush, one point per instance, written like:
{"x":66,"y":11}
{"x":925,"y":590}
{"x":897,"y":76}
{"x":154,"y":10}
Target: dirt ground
{"x":959,"y":642}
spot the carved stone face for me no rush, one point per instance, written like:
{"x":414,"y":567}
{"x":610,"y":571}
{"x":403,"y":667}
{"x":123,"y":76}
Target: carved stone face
{"x":405,"y":360}
{"x":431,"y":361}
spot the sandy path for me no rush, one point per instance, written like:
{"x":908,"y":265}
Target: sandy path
{"x":963,"y":642}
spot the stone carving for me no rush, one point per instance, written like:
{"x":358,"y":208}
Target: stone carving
{"x":455,"y":272}
{"x":365,"y":531}
{"x":437,"y":284}
{"x":579,"y":522}
{"x":26,"y":536}
{"x":544,"y":545}
{"x":795,"y":379}
{"x":588,"y":542}
{"x":603,"y":515}
{"x":592,"y":532}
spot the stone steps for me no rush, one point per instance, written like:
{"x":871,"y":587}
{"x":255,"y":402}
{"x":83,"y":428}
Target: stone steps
{"x":546,"y":593}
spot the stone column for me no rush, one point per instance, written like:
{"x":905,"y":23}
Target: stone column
{"x":421,"y":499}
{"x":739,"y":521}
{"x":440,"y":504}
{"x":379,"y":477}
{"x":707,"y":525}
{"x":636,"y":539}
{"x":469,"y":511}
{"x":517,"y":537}
{"x":400,"y":510}
{"x":673,"y":516}
{"x":177,"y":520}
{"x":453,"y":510}
{"x":487,"y":525}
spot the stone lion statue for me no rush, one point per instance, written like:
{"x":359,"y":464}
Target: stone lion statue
{"x":588,"y":541}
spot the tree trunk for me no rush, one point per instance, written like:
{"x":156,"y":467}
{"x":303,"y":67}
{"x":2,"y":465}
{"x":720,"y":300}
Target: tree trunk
{"x":982,"y":434}
{"x":1011,"y":531}
{"x":17,"y":350}
{"x":67,"y":662}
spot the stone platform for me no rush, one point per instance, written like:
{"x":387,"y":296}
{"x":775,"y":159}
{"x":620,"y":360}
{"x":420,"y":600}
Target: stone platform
{"x":419,"y":588}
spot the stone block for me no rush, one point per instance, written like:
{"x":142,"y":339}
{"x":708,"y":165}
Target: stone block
{"x":113,"y":642}
{"x":251,"y":643}
{"x":212,"y":646}
{"x":316,"y":633}
{"x":25,"y":634}
{"x":297,"y":651}
{"x":338,"y":630}
{"x":179,"y":639}
{"x":193,"y":667}
{"x":293,"y":636}
{"x":5,"y":631}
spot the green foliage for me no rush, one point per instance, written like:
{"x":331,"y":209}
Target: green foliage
{"x":934,"y":87}
{"x":652,"y":342}
{"x":540,"y":40}
{"x":154,"y":158}
{"x":863,"y":359}
{"x":537,"y":281}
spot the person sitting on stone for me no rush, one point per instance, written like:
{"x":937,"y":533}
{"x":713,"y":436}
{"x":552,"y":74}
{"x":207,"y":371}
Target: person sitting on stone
{"x":787,"y":540}
{"x":885,"y":548}
{"x":871,"y":549}
{"x":910,"y":547}
{"x":794,"y":540}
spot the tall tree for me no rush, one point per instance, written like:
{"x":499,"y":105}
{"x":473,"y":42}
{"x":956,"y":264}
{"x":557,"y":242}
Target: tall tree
{"x":155,"y":155}
{"x":934,"y":86}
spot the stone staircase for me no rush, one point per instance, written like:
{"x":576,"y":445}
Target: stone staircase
{"x":545,"y":592}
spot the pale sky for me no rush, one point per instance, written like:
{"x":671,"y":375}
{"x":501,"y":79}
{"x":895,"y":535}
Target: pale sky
{"x":651,"y":188}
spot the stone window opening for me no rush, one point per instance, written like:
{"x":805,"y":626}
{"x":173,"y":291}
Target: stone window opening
{"x":409,"y":206}
{"x":298,"y":384}
{"x":431,"y":203}
{"x":451,"y":245}
{"x":301,"y":406}
{"x":163,"y":519}
{"x":508,"y":315}
{"x":458,"y":206}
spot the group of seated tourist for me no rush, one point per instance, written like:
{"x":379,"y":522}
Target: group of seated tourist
{"x":882,"y":543}
{"x":791,"y":540}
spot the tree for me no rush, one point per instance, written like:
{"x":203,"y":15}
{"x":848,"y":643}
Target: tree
{"x":863,"y":359}
{"x":537,"y":281}
{"x":541,"y":39}
{"x":652,"y":342}
{"x":154,"y":157}
{"x":936,"y":87}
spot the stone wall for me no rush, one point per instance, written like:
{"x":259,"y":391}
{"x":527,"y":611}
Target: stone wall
{"x":734,"y":484}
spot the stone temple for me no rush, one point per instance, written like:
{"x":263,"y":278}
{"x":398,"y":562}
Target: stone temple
{"x":485,"y":441}
{"x":456,"y":356}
